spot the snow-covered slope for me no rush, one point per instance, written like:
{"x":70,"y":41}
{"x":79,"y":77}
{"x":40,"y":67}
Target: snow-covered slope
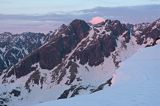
{"x":135,"y":83}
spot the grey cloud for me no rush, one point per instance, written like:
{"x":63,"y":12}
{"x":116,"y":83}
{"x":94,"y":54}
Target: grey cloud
{"x":134,"y":14}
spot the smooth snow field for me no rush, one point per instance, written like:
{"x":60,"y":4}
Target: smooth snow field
{"x":135,"y":83}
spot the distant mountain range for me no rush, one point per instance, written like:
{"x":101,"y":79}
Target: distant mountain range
{"x":14,"y":47}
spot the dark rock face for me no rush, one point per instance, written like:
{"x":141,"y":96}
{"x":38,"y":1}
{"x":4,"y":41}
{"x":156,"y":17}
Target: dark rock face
{"x":73,"y":71}
{"x":15,"y":92}
{"x":63,"y":45}
{"x":35,"y":78}
{"x":24,"y":67}
{"x":74,"y":90}
{"x":103,"y":45}
{"x":80,"y":28}
{"x":151,"y":32}
{"x":2,"y":65}
{"x":100,"y":87}
{"x":66,"y":93}
{"x":51,"y":55}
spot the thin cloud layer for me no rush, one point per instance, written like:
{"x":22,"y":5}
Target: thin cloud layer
{"x":52,"y":6}
{"x":45,"y":23}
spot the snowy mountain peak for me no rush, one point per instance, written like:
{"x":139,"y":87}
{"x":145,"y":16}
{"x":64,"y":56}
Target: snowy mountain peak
{"x":78,"y":59}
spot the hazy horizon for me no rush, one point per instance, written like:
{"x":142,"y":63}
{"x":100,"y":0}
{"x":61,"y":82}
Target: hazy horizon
{"x":45,"y":22}
{"x":52,"y":6}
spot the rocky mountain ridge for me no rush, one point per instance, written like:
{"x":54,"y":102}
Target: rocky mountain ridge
{"x":79,"y":58}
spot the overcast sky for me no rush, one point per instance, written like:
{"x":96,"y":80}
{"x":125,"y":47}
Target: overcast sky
{"x":51,"y":6}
